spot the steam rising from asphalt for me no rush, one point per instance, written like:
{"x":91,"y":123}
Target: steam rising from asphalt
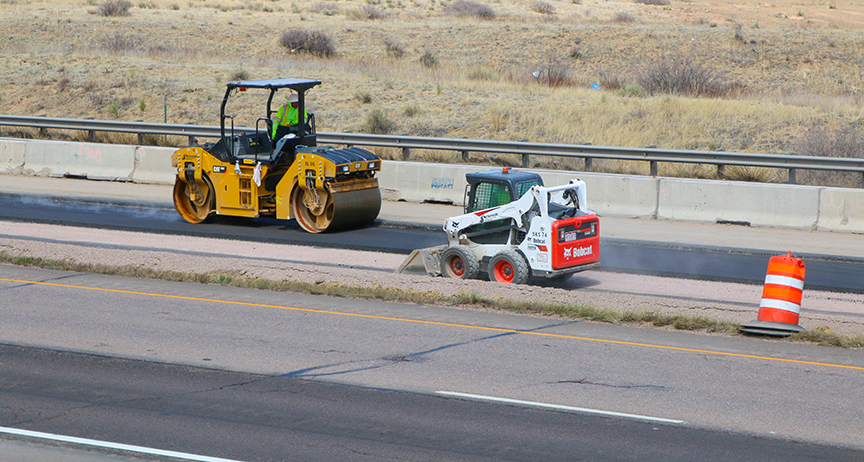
{"x":118,"y":210}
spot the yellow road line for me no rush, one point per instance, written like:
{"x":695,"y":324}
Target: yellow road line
{"x":439,"y":323}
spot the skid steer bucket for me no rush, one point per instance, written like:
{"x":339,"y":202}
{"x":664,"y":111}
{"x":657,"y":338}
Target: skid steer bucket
{"x":423,"y":261}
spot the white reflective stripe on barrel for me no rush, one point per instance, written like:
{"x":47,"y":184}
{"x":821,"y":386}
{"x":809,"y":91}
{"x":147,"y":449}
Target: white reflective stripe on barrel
{"x":780,"y":305}
{"x":784,"y":281}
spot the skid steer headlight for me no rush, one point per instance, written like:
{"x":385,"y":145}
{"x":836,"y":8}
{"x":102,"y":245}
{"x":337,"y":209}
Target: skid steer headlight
{"x":371,"y":165}
{"x":343,"y":169}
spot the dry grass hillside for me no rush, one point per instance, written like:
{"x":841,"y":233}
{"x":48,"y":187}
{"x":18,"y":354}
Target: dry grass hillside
{"x":739,"y":76}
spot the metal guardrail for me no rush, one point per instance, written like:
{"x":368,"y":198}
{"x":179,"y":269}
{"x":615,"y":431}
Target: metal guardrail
{"x":93,"y":126}
{"x":721,"y":159}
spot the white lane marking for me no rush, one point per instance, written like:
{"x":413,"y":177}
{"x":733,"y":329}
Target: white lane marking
{"x":109,"y":445}
{"x":557,"y":406}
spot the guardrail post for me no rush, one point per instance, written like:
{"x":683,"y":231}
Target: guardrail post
{"x":91,"y":134}
{"x":43,"y":132}
{"x":526,"y":159}
{"x":862,"y":180}
{"x":653,"y":163}
{"x":721,"y":171}
{"x":589,"y":161}
{"x":406,"y":153}
{"x":792,"y":176}
{"x":192,"y":139}
{"x":465,"y":155}
{"x":140,"y":139}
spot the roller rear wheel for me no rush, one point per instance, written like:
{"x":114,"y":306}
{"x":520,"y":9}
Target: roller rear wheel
{"x":509,"y":267}
{"x":194,"y":202}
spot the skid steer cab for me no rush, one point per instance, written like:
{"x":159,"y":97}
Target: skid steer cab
{"x":515,"y":228}
{"x":275,"y":169}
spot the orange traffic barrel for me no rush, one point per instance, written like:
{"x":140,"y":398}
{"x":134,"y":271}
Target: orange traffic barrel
{"x":781,"y":298}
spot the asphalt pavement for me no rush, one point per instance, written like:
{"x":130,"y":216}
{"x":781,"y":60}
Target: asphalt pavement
{"x":431,"y":216}
{"x":256,"y":417}
{"x":803,"y":243}
{"x":129,"y":363}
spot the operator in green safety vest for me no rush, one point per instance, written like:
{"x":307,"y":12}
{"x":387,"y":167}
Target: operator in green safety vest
{"x":287,"y":114}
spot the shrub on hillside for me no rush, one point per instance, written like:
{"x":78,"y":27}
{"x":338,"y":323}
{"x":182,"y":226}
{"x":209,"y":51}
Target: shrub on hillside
{"x":374,"y":13}
{"x":623,"y":16}
{"x":610,"y":80}
{"x":682,"y":77}
{"x":427,"y":59}
{"x":844,"y":143}
{"x":482,"y":73}
{"x":120,"y":43}
{"x":363,"y":96}
{"x":311,"y":42}
{"x":470,"y":8}
{"x":542,"y":7}
{"x":325,"y":8}
{"x":737,"y":34}
{"x":114,"y":8}
{"x":367,"y":12}
{"x":633,"y":91}
{"x":393,"y":48}
{"x":554,"y":73}
{"x":377,"y":123}
{"x":239,"y":74}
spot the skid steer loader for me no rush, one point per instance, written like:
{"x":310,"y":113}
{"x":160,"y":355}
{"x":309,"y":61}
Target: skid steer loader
{"x":280,"y":173}
{"x":514,"y":228}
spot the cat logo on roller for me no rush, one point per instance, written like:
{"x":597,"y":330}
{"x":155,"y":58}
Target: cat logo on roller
{"x":515,"y":228}
{"x":276,"y":169}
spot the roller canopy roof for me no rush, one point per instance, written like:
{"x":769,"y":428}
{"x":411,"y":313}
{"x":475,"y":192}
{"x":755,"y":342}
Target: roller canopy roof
{"x":294,"y":84}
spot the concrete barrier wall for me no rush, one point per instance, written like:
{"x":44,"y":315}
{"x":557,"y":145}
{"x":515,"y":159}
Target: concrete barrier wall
{"x":841,"y":210}
{"x":788,"y":206}
{"x":619,"y":195}
{"x":419,"y":182}
{"x":153,"y":165}
{"x":759,"y":204}
{"x":141,"y":164}
{"x":12,"y":156}
{"x":91,"y":160}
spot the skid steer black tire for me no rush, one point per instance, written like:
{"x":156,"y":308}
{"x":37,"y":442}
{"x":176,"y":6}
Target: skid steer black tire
{"x":459,"y":262}
{"x":510,"y":267}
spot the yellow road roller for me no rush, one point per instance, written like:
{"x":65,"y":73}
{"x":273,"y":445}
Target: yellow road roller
{"x":276,"y":169}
